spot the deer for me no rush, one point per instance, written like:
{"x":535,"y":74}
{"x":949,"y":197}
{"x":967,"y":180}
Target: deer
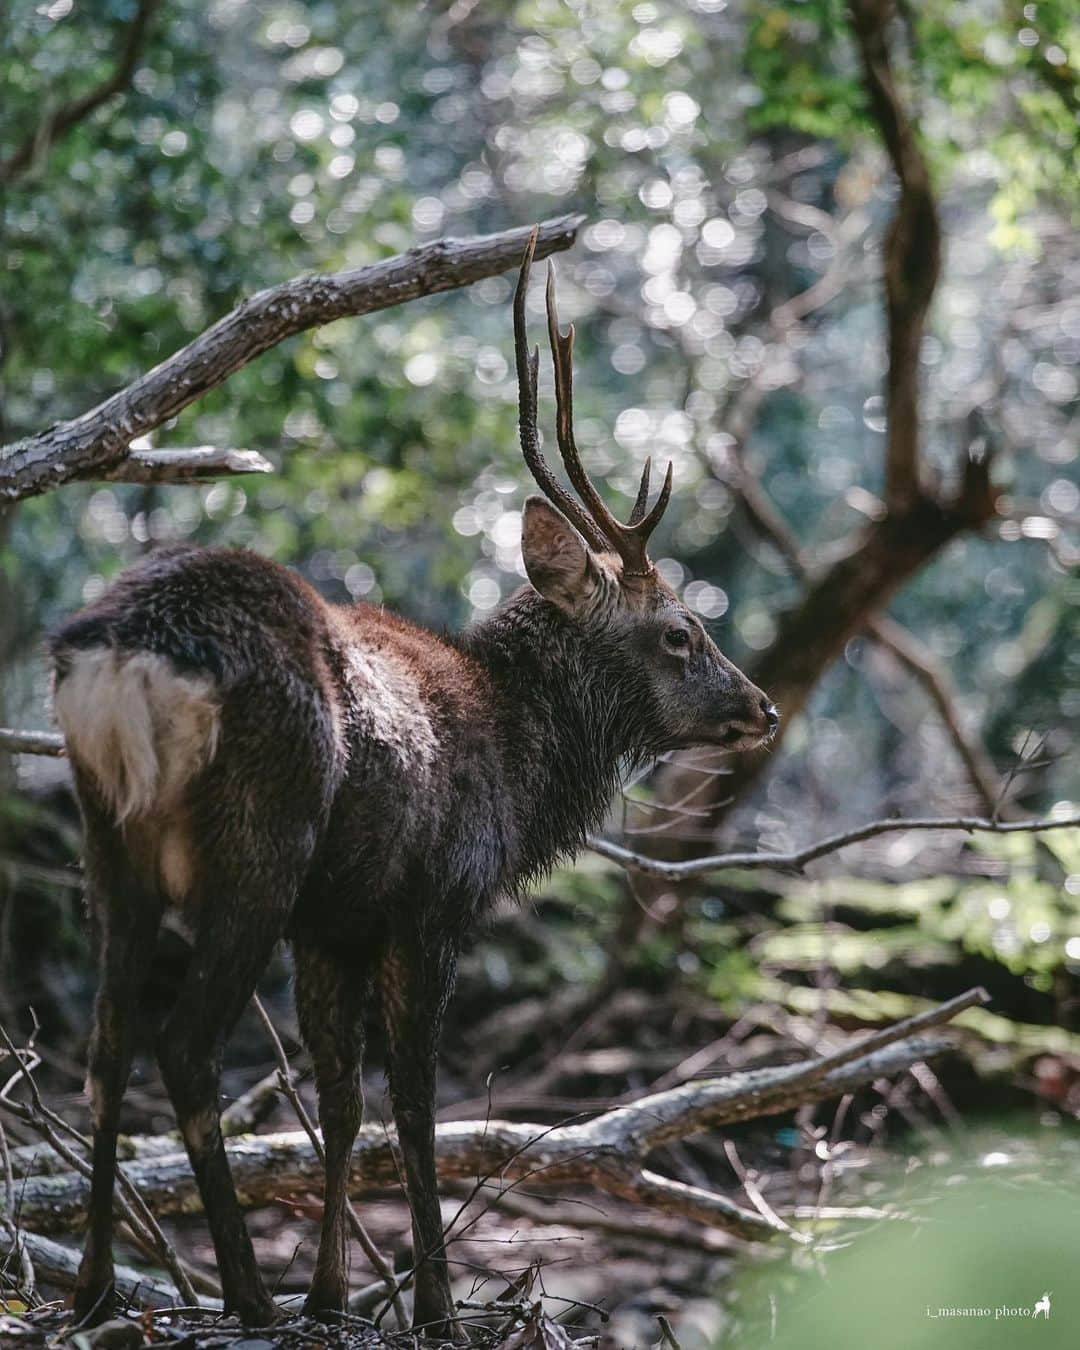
{"x":265,"y":767}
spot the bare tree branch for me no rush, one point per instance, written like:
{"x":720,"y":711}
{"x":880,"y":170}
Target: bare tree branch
{"x":60,"y":121}
{"x":903,"y":645}
{"x":92,"y":445}
{"x":191,"y":464}
{"x":912,"y":254}
{"x":798,"y":858}
{"x":915,"y":657}
{"x":31,"y":742}
{"x":838,"y":273}
{"x":252,"y":1107}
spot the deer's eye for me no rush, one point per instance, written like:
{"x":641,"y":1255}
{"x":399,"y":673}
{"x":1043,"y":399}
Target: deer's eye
{"x":677,"y":639}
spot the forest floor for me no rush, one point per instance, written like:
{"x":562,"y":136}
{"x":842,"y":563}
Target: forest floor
{"x":540,"y":1267}
{"x":51,"y":1326}
{"x":523,"y":1326}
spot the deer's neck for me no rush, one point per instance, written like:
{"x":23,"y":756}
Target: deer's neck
{"x":567,"y":719}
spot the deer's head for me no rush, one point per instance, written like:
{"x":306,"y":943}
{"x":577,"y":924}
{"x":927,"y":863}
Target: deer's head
{"x":597,"y":570}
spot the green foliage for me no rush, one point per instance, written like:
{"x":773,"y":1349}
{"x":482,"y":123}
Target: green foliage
{"x":955,"y":61}
{"x":802,"y":58}
{"x":1023,"y":918}
{"x":984,"y":1236}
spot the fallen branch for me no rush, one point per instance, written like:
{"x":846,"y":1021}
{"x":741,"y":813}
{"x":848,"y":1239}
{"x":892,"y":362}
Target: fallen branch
{"x":608,"y":1151}
{"x":798,"y":858}
{"x":243,"y":1116}
{"x":93,"y":445}
{"x":59,"y":1265}
{"x":251,"y":1108}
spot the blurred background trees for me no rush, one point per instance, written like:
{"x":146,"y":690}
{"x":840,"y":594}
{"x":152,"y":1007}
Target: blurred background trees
{"x":727,"y":293}
{"x":735,"y":196}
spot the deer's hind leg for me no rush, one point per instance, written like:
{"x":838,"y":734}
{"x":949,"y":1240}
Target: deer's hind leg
{"x":125,"y":916}
{"x":332,"y":994}
{"x":246,"y":899}
{"x":256,"y":823}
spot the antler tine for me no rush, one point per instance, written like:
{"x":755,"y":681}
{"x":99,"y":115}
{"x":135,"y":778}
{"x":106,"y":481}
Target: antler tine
{"x":643,"y":528}
{"x":562,"y":357}
{"x":590,"y":517}
{"x":528,"y":365}
{"x":629,"y":540}
{"x":642,"y":498}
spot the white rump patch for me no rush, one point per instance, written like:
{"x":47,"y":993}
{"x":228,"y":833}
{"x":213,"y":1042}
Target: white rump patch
{"x":141,"y":729}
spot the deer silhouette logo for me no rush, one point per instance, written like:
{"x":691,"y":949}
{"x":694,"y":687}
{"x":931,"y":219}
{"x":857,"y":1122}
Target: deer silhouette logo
{"x":1043,"y":1307}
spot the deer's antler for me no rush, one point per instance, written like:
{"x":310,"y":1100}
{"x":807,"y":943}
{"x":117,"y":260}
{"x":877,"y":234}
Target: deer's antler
{"x":595,"y":522}
{"x":528,"y":365}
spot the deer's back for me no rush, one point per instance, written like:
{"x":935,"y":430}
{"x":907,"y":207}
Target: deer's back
{"x":205,"y":678}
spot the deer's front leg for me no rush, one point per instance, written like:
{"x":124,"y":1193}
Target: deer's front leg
{"x":415,"y":981}
{"x":331,"y":994}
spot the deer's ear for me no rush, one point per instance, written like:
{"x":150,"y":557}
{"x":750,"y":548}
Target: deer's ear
{"x":557,"y":560}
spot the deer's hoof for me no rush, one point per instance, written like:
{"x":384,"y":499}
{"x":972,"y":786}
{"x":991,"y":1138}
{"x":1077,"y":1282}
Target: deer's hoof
{"x":94,"y":1303}
{"x":325,"y":1305}
{"x":440,"y":1327}
{"x":323,"y":1312}
{"x":441,"y":1332}
{"x":258,"y":1312}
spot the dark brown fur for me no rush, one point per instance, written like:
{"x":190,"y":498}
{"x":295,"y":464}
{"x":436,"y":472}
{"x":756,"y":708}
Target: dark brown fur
{"x":277,"y":767}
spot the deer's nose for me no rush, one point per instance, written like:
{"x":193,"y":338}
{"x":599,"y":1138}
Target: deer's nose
{"x":771,"y":713}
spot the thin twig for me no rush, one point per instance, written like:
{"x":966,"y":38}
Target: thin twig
{"x":750,"y":1186}
{"x":920,"y":662}
{"x":19,"y":1247}
{"x":380,"y":1264}
{"x":667,"y":1333}
{"x":1017,"y":765}
{"x":798,"y":858}
{"x":51,"y":1126}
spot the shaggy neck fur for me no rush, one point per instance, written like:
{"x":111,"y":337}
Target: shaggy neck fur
{"x":569,"y":704}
